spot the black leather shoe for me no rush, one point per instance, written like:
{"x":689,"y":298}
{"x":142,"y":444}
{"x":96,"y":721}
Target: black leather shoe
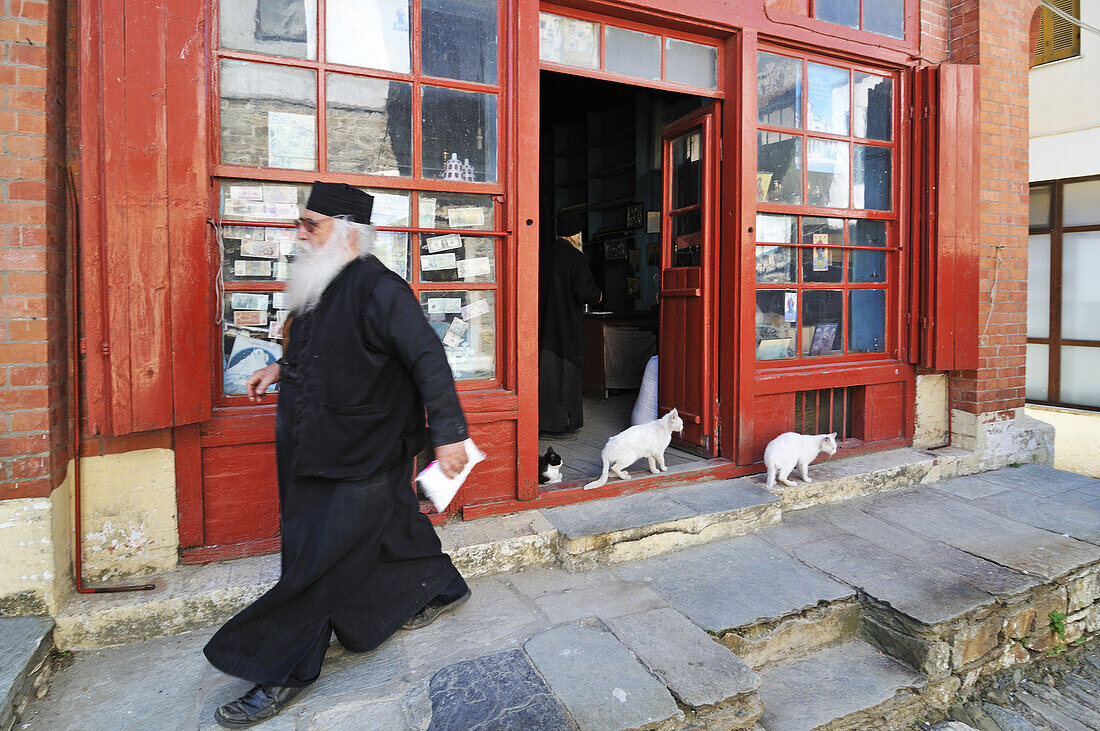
{"x":257,"y":705}
{"x":431,"y":612}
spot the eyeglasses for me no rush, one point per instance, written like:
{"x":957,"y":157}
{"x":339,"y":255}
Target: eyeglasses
{"x":310,"y":224}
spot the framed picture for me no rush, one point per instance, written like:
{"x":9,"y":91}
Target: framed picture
{"x":614,"y":250}
{"x":634,"y":215}
{"x":633,"y":287}
{"x":653,"y":222}
{"x":653,"y":255}
{"x":822,"y":258}
{"x":763,"y":185}
{"x":634,"y":257}
{"x":824,"y":335}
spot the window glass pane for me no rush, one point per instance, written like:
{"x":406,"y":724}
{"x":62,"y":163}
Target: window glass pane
{"x":827,"y":173}
{"x":687,"y":169}
{"x":459,"y":39}
{"x":827,"y":95}
{"x":466,"y":323}
{"x":843,"y":12}
{"x":866,"y":266}
{"x":865,"y":232}
{"x":822,"y":264}
{"x":369,"y":33}
{"x":866,"y":321}
{"x":256,"y":253}
{"x":457,"y":258}
{"x":1079,"y":384}
{"x":1038,"y":286}
{"x":245,"y":349}
{"x":885,"y":16}
{"x":255,"y":200}
{"x":774,"y":264}
{"x":456,"y":210}
{"x":822,"y":311}
{"x":691,"y":63}
{"x":1081,"y":203}
{"x":632,"y":53}
{"x":775,"y":229}
{"x":268,"y":115}
{"x":459,"y":135}
{"x":778,"y":168}
{"x":1039,"y":203}
{"x":871,"y":182}
{"x":1080,"y":295}
{"x":779,"y":90}
{"x":391,"y":207}
{"x":392,"y":249}
{"x":1037,"y":373}
{"x":275,"y":27}
{"x":823,"y":231}
{"x":776,"y":313}
{"x":569,"y":41}
{"x":369,"y":125}
{"x":873,"y":116}
{"x":687,"y":240}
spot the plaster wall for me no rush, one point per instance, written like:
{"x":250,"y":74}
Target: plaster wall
{"x":931,"y":410}
{"x":35,"y":572}
{"x":998,"y":439}
{"x":1076,"y":435}
{"x":1057,"y":103}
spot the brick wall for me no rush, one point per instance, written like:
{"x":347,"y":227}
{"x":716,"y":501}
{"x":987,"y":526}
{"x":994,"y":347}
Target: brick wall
{"x":33,"y":435}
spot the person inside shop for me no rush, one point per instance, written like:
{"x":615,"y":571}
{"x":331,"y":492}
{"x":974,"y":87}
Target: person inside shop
{"x":361,"y":365}
{"x":566,"y":285}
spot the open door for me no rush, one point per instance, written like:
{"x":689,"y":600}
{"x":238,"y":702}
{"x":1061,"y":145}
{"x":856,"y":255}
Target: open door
{"x":689,"y":236}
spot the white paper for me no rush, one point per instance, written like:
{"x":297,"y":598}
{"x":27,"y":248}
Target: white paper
{"x":444,"y":304}
{"x":427,"y":213}
{"x":282,"y":235}
{"x":246,"y":193}
{"x":477,"y":308}
{"x":466,"y":217}
{"x":453,"y":336}
{"x":441,"y":489}
{"x":260,"y":249}
{"x":280,"y":194}
{"x":288,"y":248}
{"x":291,"y":141}
{"x":437,"y":262}
{"x":390,"y":210}
{"x":275,"y":330}
{"x":282,"y":270}
{"x":445,"y":242}
{"x":477,"y":267}
{"x":248,"y":301}
{"x":279,"y":300}
{"x":245,"y":268}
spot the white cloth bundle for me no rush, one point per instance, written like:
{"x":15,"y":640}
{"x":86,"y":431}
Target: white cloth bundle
{"x":645,"y":408}
{"x":441,"y":489}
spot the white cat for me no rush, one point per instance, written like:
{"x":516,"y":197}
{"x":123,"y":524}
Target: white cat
{"x":790,"y":449}
{"x":649,"y":440}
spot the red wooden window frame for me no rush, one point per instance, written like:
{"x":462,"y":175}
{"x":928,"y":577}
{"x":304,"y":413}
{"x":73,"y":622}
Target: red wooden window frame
{"x":414,"y":185}
{"x":892,"y":251}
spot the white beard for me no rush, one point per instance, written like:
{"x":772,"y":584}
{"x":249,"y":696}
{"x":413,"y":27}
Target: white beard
{"x":310,"y":274}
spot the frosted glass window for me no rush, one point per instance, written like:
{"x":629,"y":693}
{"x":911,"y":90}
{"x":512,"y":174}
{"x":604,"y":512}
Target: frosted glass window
{"x":884,"y":16}
{"x":632,"y":53}
{"x":828,"y":97}
{"x":1039,"y":202}
{"x":691,"y":63}
{"x":569,"y":41}
{"x":1080,"y":295}
{"x":1081,"y":203}
{"x":275,"y":27}
{"x":369,"y":33}
{"x":842,"y":12}
{"x":1079,"y":383}
{"x":1038,"y":368}
{"x":1038,"y":286}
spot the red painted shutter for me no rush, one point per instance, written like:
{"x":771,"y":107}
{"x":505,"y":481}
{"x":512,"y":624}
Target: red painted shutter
{"x":146,"y":305}
{"x":945,"y":224}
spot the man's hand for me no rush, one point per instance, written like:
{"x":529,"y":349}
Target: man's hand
{"x":451,"y":457}
{"x":257,"y":383}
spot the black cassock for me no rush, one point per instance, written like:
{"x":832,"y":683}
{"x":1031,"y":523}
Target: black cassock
{"x":565,"y":286}
{"x":358,"y":557}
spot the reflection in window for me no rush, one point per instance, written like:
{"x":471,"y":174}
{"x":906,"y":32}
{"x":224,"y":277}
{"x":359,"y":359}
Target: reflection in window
{"x":774,"y":264}
{"x":776,"y":315}
{"x":822,"y":231}
{"x":775,"y":229}
{"x":827,"y":173}
{"x":866,"y":266}
{"x":885,"y":16}
{"x":459,"y":39}
{"x":822,"y":314}
{"x":873,"y":116}
{"x":779,"y":90}
{"x":465,"y":321}
{"x":871,"y":181}
{"x":778,"y":168}
{"x":866,"y":232}
{"x":828,"y":98}
{"x":569,"y":41}
{"x":459,"y":137}
{"x":268,"y":115}
{"x":867,"y":321}
{"x":275,"y":27}
{"x":369,"y":125}
{"x":369,"y":33}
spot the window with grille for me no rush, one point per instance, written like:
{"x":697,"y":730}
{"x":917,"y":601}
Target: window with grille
{"x":399,"y":97}
{"x":825,"y":410}
{"x":826,"y":223}
{"x":1058,"y":37}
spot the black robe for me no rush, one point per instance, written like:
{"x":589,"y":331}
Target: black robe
{"x":358,"y":557}
{"x":565,"y":286}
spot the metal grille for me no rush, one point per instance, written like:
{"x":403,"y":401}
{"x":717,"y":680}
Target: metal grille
{"x":824,"y":410}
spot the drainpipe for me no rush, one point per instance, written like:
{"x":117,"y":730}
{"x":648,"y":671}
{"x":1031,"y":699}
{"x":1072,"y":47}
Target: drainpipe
{"x":76,"y":393}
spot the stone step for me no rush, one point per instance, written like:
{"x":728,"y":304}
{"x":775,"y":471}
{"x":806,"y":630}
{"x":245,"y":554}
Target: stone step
{"x":25,"y":644}
{"x":850,"y":686}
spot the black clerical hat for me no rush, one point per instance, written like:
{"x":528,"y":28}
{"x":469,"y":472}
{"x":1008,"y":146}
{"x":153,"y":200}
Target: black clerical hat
{"x":340,"y":199}
{"x":569,"y":223}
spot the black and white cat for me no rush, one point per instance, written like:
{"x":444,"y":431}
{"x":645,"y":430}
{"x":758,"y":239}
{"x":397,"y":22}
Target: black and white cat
{"x":550,"y":467}
{"x":790,"y":450}
{"x":644,"y":441}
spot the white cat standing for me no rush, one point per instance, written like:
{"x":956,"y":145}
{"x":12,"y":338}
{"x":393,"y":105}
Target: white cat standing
{"x":649,"y":441}
{"x":790,"y":449}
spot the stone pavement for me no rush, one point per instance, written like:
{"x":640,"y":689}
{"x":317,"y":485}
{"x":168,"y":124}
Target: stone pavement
{"x":871,"y":613}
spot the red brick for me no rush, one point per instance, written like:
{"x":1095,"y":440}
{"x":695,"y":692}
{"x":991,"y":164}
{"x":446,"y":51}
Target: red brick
{"x":28,"y":331}
{"x":18,"y":489}
{"x":22,"y":444}
{"x":22,"y":352}
{"x":30,"y":420}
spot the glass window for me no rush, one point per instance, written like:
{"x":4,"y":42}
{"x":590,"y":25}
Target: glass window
{"x":1080,"y":295}
{"x":827,"y":94}
{"x":246,"y":349}
{"x":569,"y":41}
{"x":822,"y":231}
{"x":1038,"y":286}
{"x":1079,"y":384}
{"x":776,"y":229}
{"x":268,"y":115}
{"x":779,"y":90}
{"x":1039,"y":205}
{"x":1037,"y":378}
{"x":866,"y":232}
{"x":873,"y":115}
{"x":391,"y":207}
{"x":867,"y":320}
{"x":775,"y":264}
{"x":822,"y":264}
{"x":369,"y":125}
{"x":885,"y":16}
{"x":822,"y":315}
{"x":459,"y":39}
{"x":866,"y":266}
{"x":392,"y":249}
{"x":871,"y":179}
{"x":369,"y":33}
{"x":456,"y":210}
{"x":256,"y":200}
{"x":273,"y":27}
{"x":778,"y":168}
{"x":841,"y":12}
{"x":776,"y":315}
{"x":691,"y":63}
{"x":459,"y":134}
{"x":457,"y":258}
{"x":687,"y":171}
{"x":465,"y":321}
{"x":632,"y":53}
{"x":1081,"y":203}
{"x":256,"y":253}
{"x":827,"y":173}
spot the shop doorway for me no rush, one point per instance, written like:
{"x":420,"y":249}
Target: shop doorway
{"x":634,"y":163}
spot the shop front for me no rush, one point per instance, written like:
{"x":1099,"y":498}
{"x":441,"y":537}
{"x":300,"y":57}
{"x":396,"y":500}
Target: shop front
{"x":757,"y":188}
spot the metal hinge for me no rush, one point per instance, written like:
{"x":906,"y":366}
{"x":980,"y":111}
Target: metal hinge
{"x":105,"y":348}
